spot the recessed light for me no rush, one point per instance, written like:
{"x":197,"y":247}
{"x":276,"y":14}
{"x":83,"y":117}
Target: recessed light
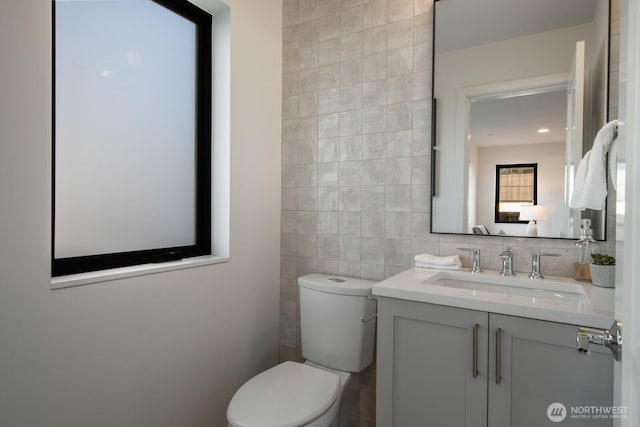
{"x":543,"y":130}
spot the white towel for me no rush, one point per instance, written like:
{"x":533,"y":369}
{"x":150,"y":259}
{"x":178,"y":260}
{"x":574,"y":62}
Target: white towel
{"x":613,"y":164}
{"x":578,"y":187}
{"x":451,"y":262}
{"x":590,"y":189}
{"x":438,"y":267}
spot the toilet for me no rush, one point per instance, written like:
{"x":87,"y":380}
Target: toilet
{"x":338,"y":330}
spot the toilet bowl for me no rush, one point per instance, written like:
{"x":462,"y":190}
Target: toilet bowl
{"x":290,"y":394}
{"x":338,"y":330}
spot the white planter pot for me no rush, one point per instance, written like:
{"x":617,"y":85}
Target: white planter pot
{"x":603,"y":275}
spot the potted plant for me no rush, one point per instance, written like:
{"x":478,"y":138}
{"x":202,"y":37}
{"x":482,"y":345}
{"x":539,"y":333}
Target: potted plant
{"x":603,"y":270}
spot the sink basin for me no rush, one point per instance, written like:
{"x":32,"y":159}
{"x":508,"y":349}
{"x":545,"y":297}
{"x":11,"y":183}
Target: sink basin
{"x":514,"y":287}
{"x":556,"y":299}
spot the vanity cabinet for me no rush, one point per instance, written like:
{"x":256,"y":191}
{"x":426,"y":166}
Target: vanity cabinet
{"x":425,"y":361}
{"x":447,"y":366}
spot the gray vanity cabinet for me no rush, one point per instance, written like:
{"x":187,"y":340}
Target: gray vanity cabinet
{"x":425,"y":365}
{"x":539,"y":365}
{"x":427,"y":356}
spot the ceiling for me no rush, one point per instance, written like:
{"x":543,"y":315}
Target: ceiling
{"x":516,"y":120}
{"x":468,"y":23}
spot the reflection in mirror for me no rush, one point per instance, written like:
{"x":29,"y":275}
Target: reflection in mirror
{"x":530,"y":89}
{"x":516,"y":191}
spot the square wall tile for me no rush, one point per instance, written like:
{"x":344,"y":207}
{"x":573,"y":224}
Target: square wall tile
{"x":328,"y":222}
{"x":349,"y":198}
{"x":400,"y":9}
{"x":348,"y":248}
{"x":350,"y":148}
{"x":373,"y":146}
{"x":374,"y":13}
{"x":397,"y":225}
{"x":372,"y":250}
{"x":372,"y":224}
{"x":351,"y":20}
{"x":327,"y":200}
{"x":328,"y":150}
{"x":349,"y":173}
{"x":349,"y":223}
{"x":351,"y":46}
{"x":373,"y":119}
{"x":328,"y":26}
{"x":329,"y":51}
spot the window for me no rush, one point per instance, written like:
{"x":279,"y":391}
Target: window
{"x":132,"y":133}
{"x":516,"y":187}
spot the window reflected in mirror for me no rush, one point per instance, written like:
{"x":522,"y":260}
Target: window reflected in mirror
{"x":516,"y":191}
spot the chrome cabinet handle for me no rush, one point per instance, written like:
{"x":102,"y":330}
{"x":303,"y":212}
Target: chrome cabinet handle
{"x":474,"y":365}
{"x":498,"y":346}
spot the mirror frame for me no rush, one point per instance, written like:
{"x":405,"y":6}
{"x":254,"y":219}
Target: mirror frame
{"x":603,"y":214}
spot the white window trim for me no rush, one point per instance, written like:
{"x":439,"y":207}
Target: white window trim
{"x":80,"y":279}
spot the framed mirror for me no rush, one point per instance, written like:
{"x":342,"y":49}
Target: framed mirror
{"x":531,"y":89}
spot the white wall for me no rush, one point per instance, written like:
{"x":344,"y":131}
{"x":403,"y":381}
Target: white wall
{"x":599,"y":71}
{"x":167,"y":349}
{"x":550,"y":159}
{"x":472,"y":197}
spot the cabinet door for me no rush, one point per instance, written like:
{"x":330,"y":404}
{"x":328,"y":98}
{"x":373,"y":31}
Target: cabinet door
{"x":425,"y":365}
{"x":539,"y":366}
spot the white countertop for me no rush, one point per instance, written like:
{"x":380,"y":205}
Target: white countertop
{"x":557,"y":299}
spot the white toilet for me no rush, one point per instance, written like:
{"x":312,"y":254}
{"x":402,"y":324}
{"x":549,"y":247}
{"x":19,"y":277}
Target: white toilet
{"x":338,"y":331}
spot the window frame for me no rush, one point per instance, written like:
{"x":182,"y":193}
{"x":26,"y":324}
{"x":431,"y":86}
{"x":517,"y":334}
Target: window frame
{"x":203,"y":161}
{"x":500,"y":217}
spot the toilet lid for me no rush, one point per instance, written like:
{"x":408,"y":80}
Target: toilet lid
{"x":287,"y":395}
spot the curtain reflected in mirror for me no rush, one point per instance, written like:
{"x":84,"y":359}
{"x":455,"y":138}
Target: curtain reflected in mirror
{"x":516,"y":190}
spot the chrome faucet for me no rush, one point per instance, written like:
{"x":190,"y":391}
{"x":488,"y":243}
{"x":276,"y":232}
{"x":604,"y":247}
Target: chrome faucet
{"x":476,"y":259}
{"x":536,"y":265}
{"x":507,"y":262}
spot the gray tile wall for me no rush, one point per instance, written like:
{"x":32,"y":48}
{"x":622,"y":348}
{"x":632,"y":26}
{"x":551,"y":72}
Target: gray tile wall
{"x":355,"y":158}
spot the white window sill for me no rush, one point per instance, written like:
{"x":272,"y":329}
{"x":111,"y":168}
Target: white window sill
{"x":133,"y":271}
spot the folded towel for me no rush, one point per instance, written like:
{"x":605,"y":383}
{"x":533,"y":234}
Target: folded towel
{"x":451,"y":262}
{"x":438,"y":267}
{"x":437,"y":260}
{"x":480,"y":229}
{"x":590,"y":189}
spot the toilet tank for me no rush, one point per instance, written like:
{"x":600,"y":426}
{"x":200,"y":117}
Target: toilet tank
{"x":333,"y":334}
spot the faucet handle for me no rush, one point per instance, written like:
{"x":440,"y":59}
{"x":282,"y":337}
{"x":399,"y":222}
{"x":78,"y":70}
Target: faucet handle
{"x":476,"y":259}
{"x":536,"y":265}
{"x":474,"y":250}
{"x":506,"y":252}
{"x":507,"y":262}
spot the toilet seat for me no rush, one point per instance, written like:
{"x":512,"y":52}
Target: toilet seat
{"x":288,"y":395}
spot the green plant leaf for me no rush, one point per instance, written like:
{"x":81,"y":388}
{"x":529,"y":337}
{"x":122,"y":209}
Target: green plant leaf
{"x":603,"y":259}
